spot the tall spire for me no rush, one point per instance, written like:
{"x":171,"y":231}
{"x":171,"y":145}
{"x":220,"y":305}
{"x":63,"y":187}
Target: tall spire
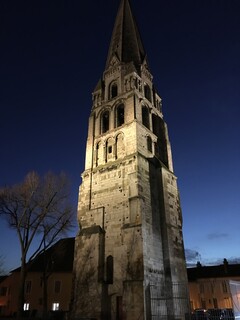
{"x":130,"y":238}
{"x":126,"y":44}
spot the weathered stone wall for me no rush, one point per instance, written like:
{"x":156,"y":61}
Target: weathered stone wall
{"x":129,"y":211}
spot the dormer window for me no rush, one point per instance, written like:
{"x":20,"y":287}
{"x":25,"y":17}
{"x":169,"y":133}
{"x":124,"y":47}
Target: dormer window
{"x":113,"y":92}
{"x":119,"y":115}
{"x":105,"y":121}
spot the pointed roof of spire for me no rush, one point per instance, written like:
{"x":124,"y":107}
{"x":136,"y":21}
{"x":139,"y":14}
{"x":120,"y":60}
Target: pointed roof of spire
{"x":126,"y":44}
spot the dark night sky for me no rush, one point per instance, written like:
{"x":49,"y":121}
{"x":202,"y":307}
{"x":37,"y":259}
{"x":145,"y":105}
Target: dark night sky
{"x":52,"y":55}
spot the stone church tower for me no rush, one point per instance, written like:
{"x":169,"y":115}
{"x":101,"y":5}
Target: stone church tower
{"x":129,"y":254}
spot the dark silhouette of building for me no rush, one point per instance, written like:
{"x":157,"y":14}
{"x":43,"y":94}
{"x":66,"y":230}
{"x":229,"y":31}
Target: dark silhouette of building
{"x":53,"y":266}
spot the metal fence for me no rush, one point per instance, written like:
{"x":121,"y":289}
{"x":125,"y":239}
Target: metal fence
{"x":212,"y":314}
{"x":169,"y":301}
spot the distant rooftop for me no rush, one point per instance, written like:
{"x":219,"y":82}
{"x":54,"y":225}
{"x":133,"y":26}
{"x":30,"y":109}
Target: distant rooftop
{"x":59,"y":258}
{"x":219,"y":271}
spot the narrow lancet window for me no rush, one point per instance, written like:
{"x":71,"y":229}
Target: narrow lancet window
{"x":147,"y":92}
{"x":105,"y":121}
{"x":113,"y":90}
{"x":110,"y":269}
{"x":149,"y":143}
{"x":120,"y":146}
{"x":145,"y":116}
{"x":156,"y":124}
{"x":120,"y":115}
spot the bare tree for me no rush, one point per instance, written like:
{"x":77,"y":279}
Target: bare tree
{"x":2,"y":271}
{"x":38,"y":208}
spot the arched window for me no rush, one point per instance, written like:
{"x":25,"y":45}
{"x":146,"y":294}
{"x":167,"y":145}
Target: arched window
{"x":113,"y":92}
{"x":149,"y":143}
{"x":120,"y":146}
{"x":147,"y":92}
{"x":145,"y":116}
{"x":99,"y":154}
{"x":105,"y":121}
{"x":109,"y":150}
{"x":156,"y":124}
{"x":119,"y":115}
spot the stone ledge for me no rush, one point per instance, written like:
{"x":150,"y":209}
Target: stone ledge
{"x":91,"y":230}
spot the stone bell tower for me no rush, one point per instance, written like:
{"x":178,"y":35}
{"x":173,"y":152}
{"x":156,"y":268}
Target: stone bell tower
{"x":129,"y":254}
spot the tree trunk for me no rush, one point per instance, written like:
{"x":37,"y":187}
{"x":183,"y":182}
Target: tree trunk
{"x":21,"y":297}
{"x":45,"y":281}
{"x":45,"y":295}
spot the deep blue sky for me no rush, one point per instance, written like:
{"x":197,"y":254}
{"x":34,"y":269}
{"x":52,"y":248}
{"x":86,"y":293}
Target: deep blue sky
{"x":53,"y":53}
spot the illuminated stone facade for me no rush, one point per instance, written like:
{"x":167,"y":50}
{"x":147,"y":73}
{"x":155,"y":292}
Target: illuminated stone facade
{"x":130,"y":244}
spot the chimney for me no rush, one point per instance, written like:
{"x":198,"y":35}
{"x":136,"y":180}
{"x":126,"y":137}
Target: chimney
{"x":225,"y":265}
